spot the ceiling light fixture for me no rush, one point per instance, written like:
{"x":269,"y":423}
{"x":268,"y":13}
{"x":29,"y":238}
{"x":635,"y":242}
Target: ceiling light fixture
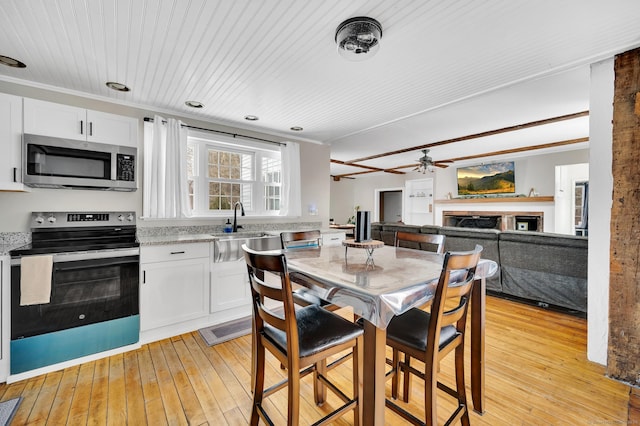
{"x":251,"y":118}
{"x":194,"y":104}
{"x":10,"y":62}
{"x":118,"y":87}
{"x":426,"y":163}
{"x":358,"y":38}
{"x":297,"y":128}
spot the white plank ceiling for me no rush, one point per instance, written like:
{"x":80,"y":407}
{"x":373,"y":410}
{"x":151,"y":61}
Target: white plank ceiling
{"x":445,"y":68}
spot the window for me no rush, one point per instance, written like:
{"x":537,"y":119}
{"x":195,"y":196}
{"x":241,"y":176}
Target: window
{"x":223,"y":171}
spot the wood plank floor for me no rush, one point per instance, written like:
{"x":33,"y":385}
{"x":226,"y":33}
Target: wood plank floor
{"x":537,"y":374}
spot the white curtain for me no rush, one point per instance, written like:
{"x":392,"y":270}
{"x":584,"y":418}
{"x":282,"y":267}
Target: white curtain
{"x":291,"y":204}
{"x":165,"y":170}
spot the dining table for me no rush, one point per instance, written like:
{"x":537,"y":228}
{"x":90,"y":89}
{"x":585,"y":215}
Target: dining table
{"x":398,"y":280}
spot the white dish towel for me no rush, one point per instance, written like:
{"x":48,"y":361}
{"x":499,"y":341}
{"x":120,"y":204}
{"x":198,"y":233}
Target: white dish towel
{"x":35,"y":280}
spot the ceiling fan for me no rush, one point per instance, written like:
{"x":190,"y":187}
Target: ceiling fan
{"x":427,"y":163}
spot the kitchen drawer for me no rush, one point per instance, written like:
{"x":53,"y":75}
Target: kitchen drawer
{"x":169,"y":252}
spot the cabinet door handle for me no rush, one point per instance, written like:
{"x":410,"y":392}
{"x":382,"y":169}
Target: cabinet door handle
{"x":91,"y":128}
{"x":144,"y":277}
{"x":15,"y":173}
{"x":82,"y":127}
{"x":177,"y":252}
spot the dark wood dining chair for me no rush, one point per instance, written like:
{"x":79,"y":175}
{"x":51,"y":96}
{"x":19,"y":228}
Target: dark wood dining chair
{"x":301,"y":339}
{"x":430,"y":336}
{"x":305,"y":295}
{"x":429,"y":242}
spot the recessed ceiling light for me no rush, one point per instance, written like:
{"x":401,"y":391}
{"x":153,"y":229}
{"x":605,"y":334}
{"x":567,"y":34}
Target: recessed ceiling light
{"x":251,"y":117}
{"x":297,"y":129}
{"x":117,"y":86}
{"x":10,"y":62}
{"x":194,"y":104}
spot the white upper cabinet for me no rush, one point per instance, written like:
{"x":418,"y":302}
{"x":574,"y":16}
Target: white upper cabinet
{"x":69,"y":122}
{"x":112,"y":129}
{"x":10,"y":143}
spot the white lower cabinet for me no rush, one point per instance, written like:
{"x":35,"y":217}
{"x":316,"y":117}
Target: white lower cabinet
{"x":5,"y":315}
{"x":230,"y":292}
{"x":174,"y":284}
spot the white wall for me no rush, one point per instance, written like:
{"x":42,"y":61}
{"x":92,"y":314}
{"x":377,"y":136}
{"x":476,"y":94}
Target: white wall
{"x":537,"y":171}
{"x":348,"y":193}
{"x":533,"y":171}
{"x":16,"y":208}
{"x":600,"y":202}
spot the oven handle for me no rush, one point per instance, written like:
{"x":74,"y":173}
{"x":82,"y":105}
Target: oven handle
{"x":108,"y":261}
{"x":87,"y":255}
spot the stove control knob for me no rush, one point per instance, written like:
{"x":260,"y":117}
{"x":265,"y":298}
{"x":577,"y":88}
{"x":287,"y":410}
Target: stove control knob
{"x":130,"y":218}
{"x":121,"y":218}
{"x":39,"y":219}
{"x":52,"y":219}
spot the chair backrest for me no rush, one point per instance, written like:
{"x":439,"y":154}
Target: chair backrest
{"x":430,"y":242}
{"x":281,"y":316}
{"x":301,"y":239}
{"x":451,"y":300}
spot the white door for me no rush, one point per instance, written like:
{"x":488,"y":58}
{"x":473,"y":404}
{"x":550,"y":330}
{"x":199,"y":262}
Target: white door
{"x":418,"y":202}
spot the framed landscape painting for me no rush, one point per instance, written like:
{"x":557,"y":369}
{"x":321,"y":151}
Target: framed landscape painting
{"x":487,"y":179}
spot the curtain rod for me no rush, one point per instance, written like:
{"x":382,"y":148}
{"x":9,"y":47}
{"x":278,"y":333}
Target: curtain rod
{"x":234,"y":135}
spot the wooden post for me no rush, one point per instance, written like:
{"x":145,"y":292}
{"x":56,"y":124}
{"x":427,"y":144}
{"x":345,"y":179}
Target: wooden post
{"x":624,"y":282}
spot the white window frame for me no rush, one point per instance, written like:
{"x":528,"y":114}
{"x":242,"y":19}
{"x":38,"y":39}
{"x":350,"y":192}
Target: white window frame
{"x":202,"y":142}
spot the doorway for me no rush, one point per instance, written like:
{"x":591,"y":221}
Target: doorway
{"x":571,"y":199}
{"x":388,"y":205}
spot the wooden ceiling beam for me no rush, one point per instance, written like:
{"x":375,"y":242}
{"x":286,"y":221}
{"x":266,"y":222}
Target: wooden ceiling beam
{"x":371,"y":168}
{"x":523,"y":149}
{"x":473,"y":136}
{"x":486,"y":154}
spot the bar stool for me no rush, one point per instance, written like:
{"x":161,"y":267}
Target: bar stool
{"x":429,"y":337}
{"x":301,"y":339}
{"x":433,"y":242}
{"x":309,"y":240}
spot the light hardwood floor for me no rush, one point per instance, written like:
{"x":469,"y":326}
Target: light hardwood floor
{"x":537,"y":374}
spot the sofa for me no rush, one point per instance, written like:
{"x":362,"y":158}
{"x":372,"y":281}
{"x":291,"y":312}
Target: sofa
{"x":545,"y":269}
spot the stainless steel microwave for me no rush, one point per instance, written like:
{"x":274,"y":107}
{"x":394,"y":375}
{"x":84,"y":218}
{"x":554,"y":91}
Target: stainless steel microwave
{"x":50,"y":162}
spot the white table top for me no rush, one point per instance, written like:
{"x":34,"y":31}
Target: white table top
{"x":401,"y":278}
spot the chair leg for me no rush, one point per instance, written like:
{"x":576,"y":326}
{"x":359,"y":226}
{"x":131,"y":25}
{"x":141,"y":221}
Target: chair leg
{"x":430,"y":402}
{"x":406,"y":390}
{"x":258,"y":381}
{"x":293,"y":413}
{"x":357,"y":380}
{"x":319,"y":389}
{"x":253,"y":354}
{"x":395,"y":380}
{"x":460,"y":387}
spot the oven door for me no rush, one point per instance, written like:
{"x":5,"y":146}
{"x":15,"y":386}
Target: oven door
{"x":86,"y":288}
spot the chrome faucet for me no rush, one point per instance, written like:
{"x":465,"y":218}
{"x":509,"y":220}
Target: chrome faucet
{"x":235,"y":211}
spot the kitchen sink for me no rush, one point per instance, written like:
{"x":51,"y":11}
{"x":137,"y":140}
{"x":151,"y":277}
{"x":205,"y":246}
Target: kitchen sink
{"x":228,"y":248}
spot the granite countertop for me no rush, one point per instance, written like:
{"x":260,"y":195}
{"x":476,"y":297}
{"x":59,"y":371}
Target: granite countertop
{"x":13,"y":240}
{"x":151,"y":240}
{"x":174,"y":239}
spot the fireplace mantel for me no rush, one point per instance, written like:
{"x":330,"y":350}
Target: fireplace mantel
{"x":540,"y":199}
